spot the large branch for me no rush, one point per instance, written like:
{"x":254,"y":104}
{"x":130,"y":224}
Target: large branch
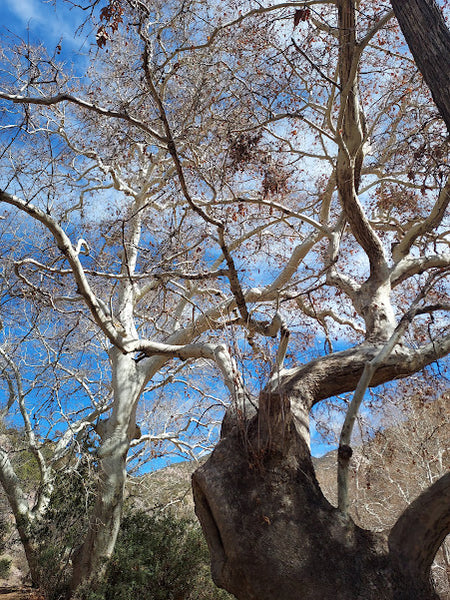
{"x":428,"y":38}
{"x":408,"y":267}
{"x":340,"y":372}
{"x":433,"y":220}
{"x":422,"y":527}
{"x":351,"y":125}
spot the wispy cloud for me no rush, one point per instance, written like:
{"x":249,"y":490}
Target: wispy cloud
{"x":24,"y":10}
{"x":45,"y":22}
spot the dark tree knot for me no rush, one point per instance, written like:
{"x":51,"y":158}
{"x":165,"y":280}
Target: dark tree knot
{"x":345,"y":452}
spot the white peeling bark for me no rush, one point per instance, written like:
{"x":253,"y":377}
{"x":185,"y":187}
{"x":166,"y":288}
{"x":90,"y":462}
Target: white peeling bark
{"x":127,"y":381}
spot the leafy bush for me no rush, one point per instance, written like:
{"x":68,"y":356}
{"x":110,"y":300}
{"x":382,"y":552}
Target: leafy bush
{"x":4,"y":530}
{"x":63,"y":528}
{"x":5,"y":566}
{"x":158,"y":557}
{"x":5,"y":561}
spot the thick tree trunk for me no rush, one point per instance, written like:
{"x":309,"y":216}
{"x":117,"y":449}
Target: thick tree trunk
{"x":428,"y":38}
{"x":91,"y":558}
{"x":273,"y":535}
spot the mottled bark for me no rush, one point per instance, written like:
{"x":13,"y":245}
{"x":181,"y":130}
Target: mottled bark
{"x":90,"y":559}
{"x":419,"y":532}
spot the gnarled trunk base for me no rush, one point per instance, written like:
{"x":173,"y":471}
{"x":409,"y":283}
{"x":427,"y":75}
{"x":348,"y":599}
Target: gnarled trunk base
{"x":273,"y":535}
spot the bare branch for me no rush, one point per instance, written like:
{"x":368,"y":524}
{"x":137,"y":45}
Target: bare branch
{"x":427,"y":225}
{"x":408,"y":267}
{"x":64,"y":244}
{"x":52,"y":100}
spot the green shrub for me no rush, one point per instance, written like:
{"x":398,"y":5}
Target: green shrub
{"x":63,"y":529}
{"x":158,"y":558}
{"x":5,"y":561}
{"x":5,"y":567}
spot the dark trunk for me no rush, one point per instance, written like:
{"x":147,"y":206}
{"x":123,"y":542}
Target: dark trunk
{"x":273,"y":535}
{"x":428,"y":38}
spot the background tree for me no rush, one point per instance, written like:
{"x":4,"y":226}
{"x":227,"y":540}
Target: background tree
{"x":400,"y":448}
{"x":191,"y":206}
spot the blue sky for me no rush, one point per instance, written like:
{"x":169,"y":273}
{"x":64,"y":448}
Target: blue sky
{"x":41,"y":21}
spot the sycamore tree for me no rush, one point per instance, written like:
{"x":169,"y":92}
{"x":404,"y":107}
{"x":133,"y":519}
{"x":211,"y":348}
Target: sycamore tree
{"x":254,"y":193}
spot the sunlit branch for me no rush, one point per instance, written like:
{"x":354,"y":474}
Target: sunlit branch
{"x":298,"y":254}
{"x":375,"y":29}
{"x":408,"y":267}
{"x":288,"y":212}
{"x":321,"y":315}
{"x":431,"y":222}
{"x":64,"y":244}
{"x":52,"y":100}
{"x":12,"y":486}
{"x":117,"y":276}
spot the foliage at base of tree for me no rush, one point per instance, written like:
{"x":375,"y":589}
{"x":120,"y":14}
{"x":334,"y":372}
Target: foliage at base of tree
{"x":5,"y":561}
{"x":62,"y":528}
{"x":5,"y":566}
{"x":158,"y":557}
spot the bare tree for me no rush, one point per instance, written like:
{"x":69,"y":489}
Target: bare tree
{"x":232,"y":185}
